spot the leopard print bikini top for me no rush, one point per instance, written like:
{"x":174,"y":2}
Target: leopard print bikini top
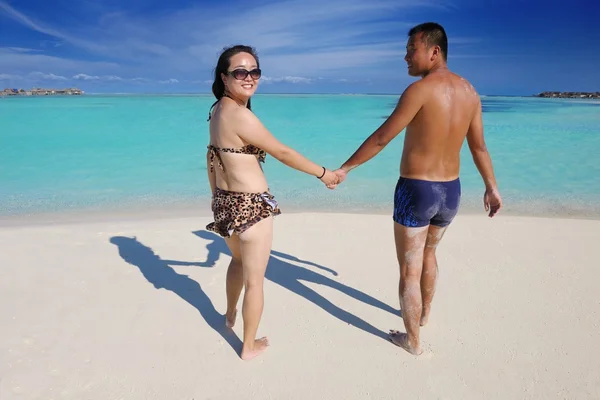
{"x":247,"y":149}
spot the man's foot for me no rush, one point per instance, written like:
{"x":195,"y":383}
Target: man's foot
{"x":230,"y":319}
{"x":401,"y":339}
{"x":260,"y":345}
{"x":424,"y":317}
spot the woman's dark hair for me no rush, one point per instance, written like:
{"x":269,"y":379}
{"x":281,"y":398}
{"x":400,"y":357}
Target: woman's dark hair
{"x":218,"y":87}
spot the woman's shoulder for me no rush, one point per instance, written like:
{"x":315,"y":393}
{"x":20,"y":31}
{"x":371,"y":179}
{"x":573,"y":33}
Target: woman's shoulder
{"x":236,"y":112}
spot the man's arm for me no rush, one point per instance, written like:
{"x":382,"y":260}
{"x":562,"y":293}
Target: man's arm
{"x":479,"y":151}
{"x":408,"y":106}
{"x":492,"y":201}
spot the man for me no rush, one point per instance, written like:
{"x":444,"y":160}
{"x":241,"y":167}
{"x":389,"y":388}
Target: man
{"x":438,"y":112}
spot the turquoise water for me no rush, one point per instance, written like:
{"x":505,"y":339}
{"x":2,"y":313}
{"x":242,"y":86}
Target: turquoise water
{"x":97,"y":152}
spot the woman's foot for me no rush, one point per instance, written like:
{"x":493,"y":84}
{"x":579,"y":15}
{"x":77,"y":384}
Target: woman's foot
{"x":259,"y":346}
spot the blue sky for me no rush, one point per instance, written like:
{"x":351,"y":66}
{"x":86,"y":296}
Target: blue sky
{"x":508,"y":47}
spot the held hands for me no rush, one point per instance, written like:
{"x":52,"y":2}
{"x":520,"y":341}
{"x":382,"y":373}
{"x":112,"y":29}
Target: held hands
{"x":333,"y":178}
{"x":492,"y":201}
{"x":341,"y":174}
{"x":329,"y":179}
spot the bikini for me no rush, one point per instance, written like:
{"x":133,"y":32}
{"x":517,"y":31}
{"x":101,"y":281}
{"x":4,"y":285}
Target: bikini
{"x":236,"y":212}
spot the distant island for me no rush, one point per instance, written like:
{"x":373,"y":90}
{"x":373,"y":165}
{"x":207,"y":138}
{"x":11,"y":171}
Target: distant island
{"x":42,"y":92}
{"x":570,"y":95}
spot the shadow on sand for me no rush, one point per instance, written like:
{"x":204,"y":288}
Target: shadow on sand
{"x":290,"y":276}
{"x":160,"y":274}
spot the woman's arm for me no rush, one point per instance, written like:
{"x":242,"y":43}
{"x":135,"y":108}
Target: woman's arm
{"x":252,"y":131}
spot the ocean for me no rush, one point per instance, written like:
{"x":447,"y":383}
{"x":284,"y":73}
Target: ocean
{"x":114,"y":153}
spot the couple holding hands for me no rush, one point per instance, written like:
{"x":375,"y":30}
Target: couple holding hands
{"x":438,"y":111}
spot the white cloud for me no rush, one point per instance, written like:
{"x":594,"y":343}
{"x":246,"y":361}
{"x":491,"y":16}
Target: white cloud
{"x":287,"y":79}
{"x":39,"y":77}
{"x":297,"y":40}
{"x":85,"y":77}
{"x":47,"y":77}
{"x":22,"y":50}
{"x":107,"y":78}
{"x":17,"y":61}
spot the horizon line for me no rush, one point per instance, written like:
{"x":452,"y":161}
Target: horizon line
{"x":274,"y":93}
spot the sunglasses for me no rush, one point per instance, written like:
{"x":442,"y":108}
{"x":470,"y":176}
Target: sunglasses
{"x":241,"y":74}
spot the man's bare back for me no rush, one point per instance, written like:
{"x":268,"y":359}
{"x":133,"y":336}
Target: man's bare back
{"x":436,"y":134}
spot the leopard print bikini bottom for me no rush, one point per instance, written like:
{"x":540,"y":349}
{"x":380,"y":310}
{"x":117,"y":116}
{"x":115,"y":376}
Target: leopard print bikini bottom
{"x":238,"y":211}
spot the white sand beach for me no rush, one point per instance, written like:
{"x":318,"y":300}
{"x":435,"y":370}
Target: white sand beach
{"x":134,"y":310}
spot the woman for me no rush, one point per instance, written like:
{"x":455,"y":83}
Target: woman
{"x":242,"y":205}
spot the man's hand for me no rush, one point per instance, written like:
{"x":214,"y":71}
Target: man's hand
{"x":340,"y":175}
{"x":330,"y":179}
{"x":492,"y":201}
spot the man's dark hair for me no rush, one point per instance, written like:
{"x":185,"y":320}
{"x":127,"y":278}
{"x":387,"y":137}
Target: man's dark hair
{"x":433,"y":35}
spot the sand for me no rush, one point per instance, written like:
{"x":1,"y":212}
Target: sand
{"x":134,"y":310}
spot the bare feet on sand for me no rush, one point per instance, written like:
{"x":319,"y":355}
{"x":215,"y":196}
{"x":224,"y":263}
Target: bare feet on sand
{"x":401,"y":339}
{"x":230,"y":319}
{"x":260,"y":345}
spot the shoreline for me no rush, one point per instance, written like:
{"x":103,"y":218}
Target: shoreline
{"x":202,"y":210}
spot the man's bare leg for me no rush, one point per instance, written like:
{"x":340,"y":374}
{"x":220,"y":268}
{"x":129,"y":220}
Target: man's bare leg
{"x":410,"y":243}
{"x":234,"y":281}
{"x":430,"y":270}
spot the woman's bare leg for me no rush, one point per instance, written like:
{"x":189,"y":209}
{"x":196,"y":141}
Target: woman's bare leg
{"x":255,"y":245}
{"x":235,"y":280}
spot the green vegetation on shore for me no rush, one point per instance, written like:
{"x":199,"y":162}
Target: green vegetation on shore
{"x":41,"y":92}
{"x":570,"y":95}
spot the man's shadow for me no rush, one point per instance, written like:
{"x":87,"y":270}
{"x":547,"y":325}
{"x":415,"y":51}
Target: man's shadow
{"x":158,"y":272}
{"x":289,"y":276}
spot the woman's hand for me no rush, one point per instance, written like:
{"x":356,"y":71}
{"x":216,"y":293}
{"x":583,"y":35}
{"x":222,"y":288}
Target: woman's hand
{"x":330,"y":179}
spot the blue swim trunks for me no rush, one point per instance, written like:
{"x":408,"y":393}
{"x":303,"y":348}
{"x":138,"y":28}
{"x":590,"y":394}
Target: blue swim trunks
{"x":420,"y":203}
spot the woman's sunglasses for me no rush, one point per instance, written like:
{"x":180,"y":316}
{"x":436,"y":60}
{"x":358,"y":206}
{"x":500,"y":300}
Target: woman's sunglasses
{"x":241,"y":74}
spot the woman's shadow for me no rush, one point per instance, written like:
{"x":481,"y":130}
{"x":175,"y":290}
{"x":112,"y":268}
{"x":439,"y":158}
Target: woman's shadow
{"x":159,"y":272}
{"x":289,"y":276}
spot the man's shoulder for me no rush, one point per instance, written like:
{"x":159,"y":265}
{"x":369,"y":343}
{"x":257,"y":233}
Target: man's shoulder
{"x":466,"y":83}
{"x":416,"y":88}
